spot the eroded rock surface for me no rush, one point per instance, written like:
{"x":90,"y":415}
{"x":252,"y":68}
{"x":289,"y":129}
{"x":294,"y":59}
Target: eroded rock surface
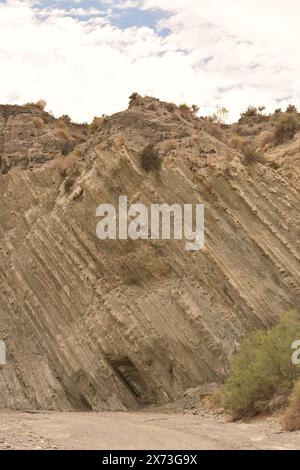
{"x":109,"y":325}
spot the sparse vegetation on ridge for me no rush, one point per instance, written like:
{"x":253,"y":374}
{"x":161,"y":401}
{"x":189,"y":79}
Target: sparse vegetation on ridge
{"x":285,"y":128}
{"x":252,"y":111}
{"x":41,"y":104}
{"x":291,"y":109}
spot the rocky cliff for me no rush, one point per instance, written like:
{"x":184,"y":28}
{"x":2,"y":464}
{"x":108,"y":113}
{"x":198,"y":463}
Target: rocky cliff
{"x":92,"y":324}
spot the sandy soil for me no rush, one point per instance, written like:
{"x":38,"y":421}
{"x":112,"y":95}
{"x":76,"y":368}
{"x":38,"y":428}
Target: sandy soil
{"x":138,"y":430}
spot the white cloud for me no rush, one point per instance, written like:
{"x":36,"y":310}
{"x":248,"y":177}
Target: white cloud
{"x":254,"y":45}
{"x":218,"y":52}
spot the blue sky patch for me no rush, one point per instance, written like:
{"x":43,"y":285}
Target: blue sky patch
{"x":127,"y":18}
{"x":116,"y":14}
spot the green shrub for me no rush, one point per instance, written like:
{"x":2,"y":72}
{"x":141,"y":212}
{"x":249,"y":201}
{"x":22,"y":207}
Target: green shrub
{"x":262,"y":370}
{"x":285,"y":128}
{"x":150,"y":158}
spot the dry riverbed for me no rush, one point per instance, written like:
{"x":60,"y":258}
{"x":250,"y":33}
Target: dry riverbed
{"x":138,"y":430}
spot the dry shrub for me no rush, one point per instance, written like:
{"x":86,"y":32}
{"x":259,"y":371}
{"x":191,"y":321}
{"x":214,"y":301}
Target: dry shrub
{"x":291,"y":419}
{"x":212,"y":401}
{"x":38,"y":122}
{"x":97,"y":122}
{"x":167,"y":146}
{"x":150,"y":158}
{"x":252,"y":111}
{"x":63,"y":131}
{"x":66,"y":118}
{"x":195,"y":109}
{"x":215,"y":131}
{"x":171,"y":107}
{"x":68,"y":184}
{"x":291,"y":109}
{"x":71,"y":160}
{"x":185,"y":111}
{"x":195,"y":140}
{"x":175,"y":118}
{"x":266,"y":139}
{"x":41,"y":104}
{"x":251,"y":155}
{"x":236,"y":141}
{"x":66,"y":164}
{"x":58,"y":163}
{"x":134,"y":99}
{"x":119,"y":141}
{"x":285,"y":128}
{"x":153,"y":107}
{"x":219,"y":116}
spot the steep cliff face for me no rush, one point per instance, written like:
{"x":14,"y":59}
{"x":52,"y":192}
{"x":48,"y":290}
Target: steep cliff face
{"x":92,"y":324}
{"x":30,"y":137}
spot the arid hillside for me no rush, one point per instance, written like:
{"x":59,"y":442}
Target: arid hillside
{"x":111,"y":325}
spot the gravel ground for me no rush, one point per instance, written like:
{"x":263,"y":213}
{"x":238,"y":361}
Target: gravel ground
{"x":139,"y":430}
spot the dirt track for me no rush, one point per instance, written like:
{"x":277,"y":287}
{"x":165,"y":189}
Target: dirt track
{"x":141,"y":430}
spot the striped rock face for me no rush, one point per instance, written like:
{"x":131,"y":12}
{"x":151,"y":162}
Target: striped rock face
{"x":115,"y":324}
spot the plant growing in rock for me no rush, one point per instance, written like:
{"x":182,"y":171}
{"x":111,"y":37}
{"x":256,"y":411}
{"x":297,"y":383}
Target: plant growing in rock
{"x":150,"y":158}
{"x":251,"y":155}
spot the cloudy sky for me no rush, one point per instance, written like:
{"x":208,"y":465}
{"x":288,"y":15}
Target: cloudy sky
{"x":85,"y":57}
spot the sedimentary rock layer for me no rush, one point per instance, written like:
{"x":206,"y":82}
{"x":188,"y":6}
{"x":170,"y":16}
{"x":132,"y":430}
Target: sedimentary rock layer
{"x":92,"y":324}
